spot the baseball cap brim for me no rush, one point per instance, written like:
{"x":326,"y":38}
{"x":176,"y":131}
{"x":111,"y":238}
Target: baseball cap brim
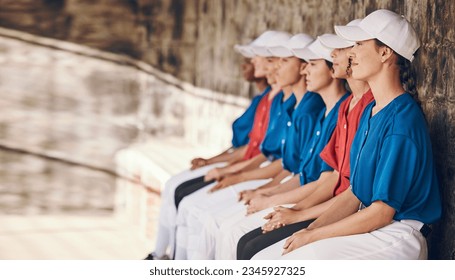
{"x":244,"y":50}
{"x":280,"y":51}
{"x":305,"y":54}
{"x":334,"y":42}
{"x":261,"y":51}
{"x":352,"y":33}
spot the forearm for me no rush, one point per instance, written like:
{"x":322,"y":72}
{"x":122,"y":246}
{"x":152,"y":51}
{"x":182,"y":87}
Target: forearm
{"x":228,"y":156}
{"x":289,"y":185}
{"x":322,"y":192}
{"x":267,"y":172}
{"x":345,"y":205}
{"x":294,"y":194}
{"x":376,"y":216}
{"x":315,"y":211}
{"x":234,"y":168}
{"x":255,"y":162}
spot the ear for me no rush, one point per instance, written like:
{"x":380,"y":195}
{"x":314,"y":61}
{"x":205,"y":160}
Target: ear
{"x":386,"y":53}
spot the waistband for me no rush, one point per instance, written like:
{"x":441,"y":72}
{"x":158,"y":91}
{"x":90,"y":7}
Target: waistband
{"x":417,"y":225}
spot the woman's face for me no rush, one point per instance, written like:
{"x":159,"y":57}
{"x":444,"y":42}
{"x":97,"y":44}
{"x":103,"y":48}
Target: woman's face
{"x":318,"y":75}
{"x":365,"y":60}
{"x":259,"y":64}
{"x":270,"y":69}
{"x":340,"y":63}
{"x":288,"y":72}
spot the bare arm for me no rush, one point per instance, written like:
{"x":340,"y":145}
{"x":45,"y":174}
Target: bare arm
{"x":230,"y":155}
{"x":267,"y":172}
{"x":218,"y":173}
{"x":270,"y":171}
{"x":323,"y":192}
{"x":377,"y":215}
{"x":306,"y":196}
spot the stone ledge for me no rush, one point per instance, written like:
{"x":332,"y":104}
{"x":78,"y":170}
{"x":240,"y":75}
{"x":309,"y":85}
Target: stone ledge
{"x":147,"y":166}
{"x":126,"y":60}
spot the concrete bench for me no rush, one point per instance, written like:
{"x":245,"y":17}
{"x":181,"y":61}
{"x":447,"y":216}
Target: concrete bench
{"x":144,"y":168}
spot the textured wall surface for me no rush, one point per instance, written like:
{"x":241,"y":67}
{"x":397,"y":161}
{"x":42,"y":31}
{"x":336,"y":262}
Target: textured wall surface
{"x":193,"y":40}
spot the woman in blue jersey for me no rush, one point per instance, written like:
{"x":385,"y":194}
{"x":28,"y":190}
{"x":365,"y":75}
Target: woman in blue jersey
{"x":394,"y":192}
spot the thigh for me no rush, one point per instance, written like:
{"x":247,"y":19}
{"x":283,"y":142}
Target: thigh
{"x":255,"y":241}
{"x":394,"y":241}
{"x":188,"y":188}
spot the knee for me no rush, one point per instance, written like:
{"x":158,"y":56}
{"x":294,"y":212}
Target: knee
{"x":247,"y":250}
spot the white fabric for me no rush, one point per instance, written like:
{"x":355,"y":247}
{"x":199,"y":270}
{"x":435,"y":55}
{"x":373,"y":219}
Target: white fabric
{"x":166,"y":224}
{"x":398,"y":240}
{"x":234,"y":228}
{"x":200,"y":213}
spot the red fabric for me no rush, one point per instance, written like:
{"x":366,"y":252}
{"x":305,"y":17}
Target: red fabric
{"x":336,"y":152}
{"x":260,"y":124}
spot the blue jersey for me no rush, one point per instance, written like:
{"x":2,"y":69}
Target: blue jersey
{"x":242,"y":125}
{"x":392,"y":161}
{"x":311,"y":163}
{"x":271,"y":145}
{"x":300,"y":124}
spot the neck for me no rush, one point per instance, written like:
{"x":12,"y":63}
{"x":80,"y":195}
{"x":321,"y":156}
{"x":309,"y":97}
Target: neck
{"x":261,"y":84}
{"x":386,"y":86}
{"x":358,"y":88}
{"x":287,"y":92}
{"x":331,"y":94}
{"x":299,"y":89}
{"x":274,"y":91}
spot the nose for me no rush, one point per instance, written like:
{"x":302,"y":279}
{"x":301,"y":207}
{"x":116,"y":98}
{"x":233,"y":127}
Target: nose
{"x":351,"y":52}
{"x":306,"y":70}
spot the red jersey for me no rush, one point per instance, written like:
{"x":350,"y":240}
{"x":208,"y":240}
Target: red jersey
{"x":336,"y":152}
{"x":260,"y":124}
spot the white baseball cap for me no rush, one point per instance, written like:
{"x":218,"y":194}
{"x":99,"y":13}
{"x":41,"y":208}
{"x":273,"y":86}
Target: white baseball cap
{"x":314,"y":51}
{"x":389,"y":28}
{"x":336,"y":42}
{"x":246,"y":50}
{"x":298,"y":41}
{"x":274,"y":40}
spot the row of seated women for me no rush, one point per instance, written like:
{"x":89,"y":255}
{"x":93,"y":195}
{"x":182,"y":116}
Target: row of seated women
{"x":332,"y":160}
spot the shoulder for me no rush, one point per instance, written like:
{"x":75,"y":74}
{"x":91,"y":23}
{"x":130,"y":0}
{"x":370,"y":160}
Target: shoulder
{"x":311,"y":103}
{"x":406,"y":115}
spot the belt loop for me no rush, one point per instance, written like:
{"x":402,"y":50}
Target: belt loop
{"x":425,"y":230}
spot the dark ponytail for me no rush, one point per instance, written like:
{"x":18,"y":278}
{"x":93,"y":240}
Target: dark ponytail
{"x":408,"y":77}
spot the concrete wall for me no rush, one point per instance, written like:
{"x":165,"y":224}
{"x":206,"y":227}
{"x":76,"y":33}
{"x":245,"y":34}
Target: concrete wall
{"x":193,"y":39}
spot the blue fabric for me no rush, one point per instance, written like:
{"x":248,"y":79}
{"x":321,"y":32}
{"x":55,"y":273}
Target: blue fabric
{"x":241,"y":127}
{"x":392,"y":161}
{"x":276,"y":130}
{"x":300,"y":124}
{"x":311,"y":164}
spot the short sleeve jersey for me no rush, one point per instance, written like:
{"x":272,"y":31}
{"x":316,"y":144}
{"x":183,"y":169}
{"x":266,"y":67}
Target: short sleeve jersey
{"x":241,"y":127}
{"x":392,"y":161}
{"x":271,"y":145}
{"x":335,"y":155}
{"x":311,"y":164}
{"x":261,"y":121}
{"x":299,"y":128}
